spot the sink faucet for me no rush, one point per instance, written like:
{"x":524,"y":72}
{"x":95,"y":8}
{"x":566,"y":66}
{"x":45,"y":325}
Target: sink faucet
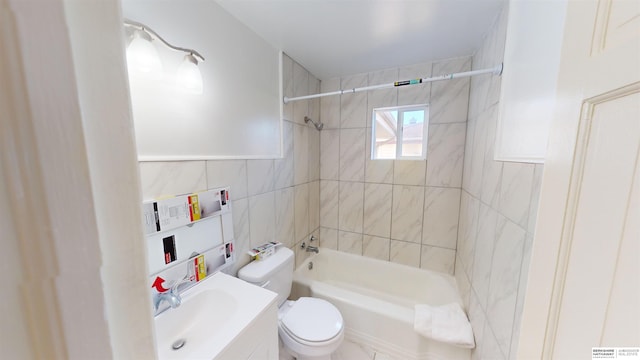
{"x":312,"y":249}
{"x":172,"y":296}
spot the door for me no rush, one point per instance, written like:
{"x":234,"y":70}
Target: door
{"x":584,"y":280}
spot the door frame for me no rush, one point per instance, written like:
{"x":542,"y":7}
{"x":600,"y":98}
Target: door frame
{"x":563,"y":169}
{"x":71,"y":179}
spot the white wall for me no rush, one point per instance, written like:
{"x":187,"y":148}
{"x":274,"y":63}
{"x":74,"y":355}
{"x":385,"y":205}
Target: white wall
{"x":238,"y":114}
{"x":532,"y":57}
{"x":76,"y":223}
{"x":110,"y":146}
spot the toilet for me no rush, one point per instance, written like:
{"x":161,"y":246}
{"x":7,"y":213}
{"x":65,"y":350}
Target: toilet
{"x":309,"y":328}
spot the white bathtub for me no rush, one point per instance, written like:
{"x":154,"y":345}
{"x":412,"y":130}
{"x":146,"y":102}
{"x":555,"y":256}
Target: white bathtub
{"x":377,"y":298}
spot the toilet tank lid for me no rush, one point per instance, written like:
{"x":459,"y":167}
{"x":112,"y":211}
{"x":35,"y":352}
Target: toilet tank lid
{"x":259,"y":271}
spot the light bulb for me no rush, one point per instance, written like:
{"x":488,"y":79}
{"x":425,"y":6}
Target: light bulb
{"x":142,"y":55}
{"x":189,"y":77}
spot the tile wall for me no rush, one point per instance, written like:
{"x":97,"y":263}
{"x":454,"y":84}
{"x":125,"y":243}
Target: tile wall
{"x":401,"y":211}
{"x":271,"y":199}
{"x":497,"y":217}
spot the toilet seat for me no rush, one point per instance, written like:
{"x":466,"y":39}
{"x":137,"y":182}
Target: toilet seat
{"x":312,"y":321}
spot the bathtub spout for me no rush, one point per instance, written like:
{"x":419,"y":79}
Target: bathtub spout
{"x":313,"y":249}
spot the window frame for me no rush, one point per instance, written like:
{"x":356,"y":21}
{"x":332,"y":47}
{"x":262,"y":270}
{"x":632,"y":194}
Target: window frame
{"x":400,"y":130}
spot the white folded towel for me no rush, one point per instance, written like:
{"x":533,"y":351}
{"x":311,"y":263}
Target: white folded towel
{"x":446,"y":323}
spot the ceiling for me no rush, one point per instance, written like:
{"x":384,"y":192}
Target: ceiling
{"x":331,"y":38}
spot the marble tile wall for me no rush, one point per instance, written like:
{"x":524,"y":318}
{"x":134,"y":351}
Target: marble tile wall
{"x":400,"y":211}
{"x":277,"y":199}
{"x":498,"y":210}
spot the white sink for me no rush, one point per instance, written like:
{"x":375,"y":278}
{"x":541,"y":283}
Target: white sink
{"x":192,"y":322}
{"x":212,"y":314}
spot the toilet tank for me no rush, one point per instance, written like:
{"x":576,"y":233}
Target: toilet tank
{"x":274,"y":273}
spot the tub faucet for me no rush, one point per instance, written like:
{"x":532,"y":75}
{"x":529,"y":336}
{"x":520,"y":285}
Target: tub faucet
{"x":312,"y":249}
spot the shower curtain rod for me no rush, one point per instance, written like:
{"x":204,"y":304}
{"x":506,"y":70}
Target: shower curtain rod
{"x":497,"y":70}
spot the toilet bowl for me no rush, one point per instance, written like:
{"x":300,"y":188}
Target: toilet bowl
{"x":310,"y":328}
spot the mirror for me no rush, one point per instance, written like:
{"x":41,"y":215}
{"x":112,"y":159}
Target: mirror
{"x":238,"y":114}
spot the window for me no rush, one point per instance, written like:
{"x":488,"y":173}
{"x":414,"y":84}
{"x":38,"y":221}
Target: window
{"x":400,"y":132}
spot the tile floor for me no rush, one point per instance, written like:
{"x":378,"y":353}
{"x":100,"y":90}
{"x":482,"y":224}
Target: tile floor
{"x":348,"y":351}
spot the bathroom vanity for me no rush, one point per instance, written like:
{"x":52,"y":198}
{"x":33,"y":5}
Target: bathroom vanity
{"x":221,"y":318}
{"x":201,"y":312}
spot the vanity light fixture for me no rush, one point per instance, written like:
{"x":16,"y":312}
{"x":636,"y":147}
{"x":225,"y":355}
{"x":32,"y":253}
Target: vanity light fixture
{"x":143,"y":56}
{"x":188,"y":76}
